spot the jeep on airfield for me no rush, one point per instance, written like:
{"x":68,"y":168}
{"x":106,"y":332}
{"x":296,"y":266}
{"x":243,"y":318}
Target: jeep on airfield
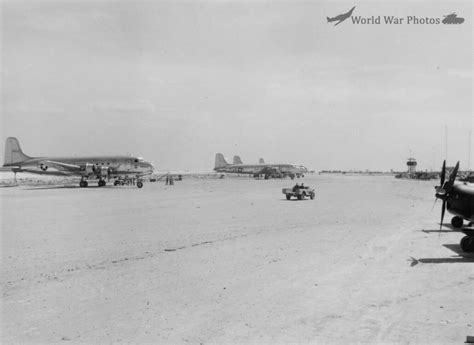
{"x":300,"y":192}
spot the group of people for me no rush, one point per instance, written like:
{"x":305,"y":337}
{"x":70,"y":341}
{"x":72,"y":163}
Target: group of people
{"x":169,"y":180}
{"x":297,"y":186}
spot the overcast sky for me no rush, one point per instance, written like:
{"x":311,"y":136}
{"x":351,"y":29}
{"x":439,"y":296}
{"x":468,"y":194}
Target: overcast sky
{"x":176,"y":82}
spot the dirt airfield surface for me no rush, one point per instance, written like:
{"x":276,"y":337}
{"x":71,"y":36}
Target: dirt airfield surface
{"x":232,"y":261}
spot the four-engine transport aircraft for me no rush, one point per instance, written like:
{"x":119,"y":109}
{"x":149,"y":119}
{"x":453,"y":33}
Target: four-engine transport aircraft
{"x":268,"y":170}
{"x":122,"y":168}
{"x":237,"y":160}
{"x":458,"y":199}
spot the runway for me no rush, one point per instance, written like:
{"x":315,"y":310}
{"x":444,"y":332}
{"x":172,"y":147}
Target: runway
{"x":232,"y":261}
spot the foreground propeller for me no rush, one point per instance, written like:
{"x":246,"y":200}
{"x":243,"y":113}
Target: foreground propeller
{"x":443,"y":173}
{"x":443,"y":209}
{"x":444,"y":190}
{"x":449,"y":185}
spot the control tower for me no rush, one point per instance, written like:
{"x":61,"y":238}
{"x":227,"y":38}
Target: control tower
{"x":411,"y":164}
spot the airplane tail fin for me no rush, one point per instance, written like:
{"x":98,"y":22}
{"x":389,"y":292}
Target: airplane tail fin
{"x":237,"y":160}
{"x":261,"y":161}
{"x":13,"y":152}
{"x":220,"y":161}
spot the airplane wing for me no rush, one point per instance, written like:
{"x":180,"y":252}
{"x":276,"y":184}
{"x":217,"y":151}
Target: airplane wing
{"x":9,"y":168}
{"x":339,"y":22}
{"x":62,"y":166}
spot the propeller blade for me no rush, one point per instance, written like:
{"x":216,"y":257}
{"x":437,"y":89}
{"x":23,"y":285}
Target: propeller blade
{"x":443,"y":173}
{"x":452,"y":177}
{"x":443,"y":209}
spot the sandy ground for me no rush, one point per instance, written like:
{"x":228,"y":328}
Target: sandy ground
{"x":233,"y":261}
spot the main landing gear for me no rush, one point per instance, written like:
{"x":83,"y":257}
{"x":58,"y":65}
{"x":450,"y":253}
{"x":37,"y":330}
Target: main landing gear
{"x":84,"y":183}
{"x":467,"y":244}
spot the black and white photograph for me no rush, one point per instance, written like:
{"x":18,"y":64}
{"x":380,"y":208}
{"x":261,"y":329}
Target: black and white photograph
{"x":236,"y":172}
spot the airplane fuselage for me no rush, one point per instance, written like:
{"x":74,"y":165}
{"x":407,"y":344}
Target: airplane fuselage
{"x":461,"y":201}
{"x":116,"y":166}
{"x":288,"y":169}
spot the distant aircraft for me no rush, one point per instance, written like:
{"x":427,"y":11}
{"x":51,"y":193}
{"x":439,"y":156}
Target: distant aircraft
{"x":123,"y":168}
{"x":458,"y":199}
{"x":340,"y":18}
{"x":268,"y":170}
{"x":237,"y":160}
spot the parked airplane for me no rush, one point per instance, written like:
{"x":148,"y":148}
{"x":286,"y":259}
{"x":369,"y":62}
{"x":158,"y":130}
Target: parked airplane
{"x":458,"y":199}
{"x":122,"y":168}
{"x":237,"y":160}
{"x":268,"y":170}
{"x":340,"y":18}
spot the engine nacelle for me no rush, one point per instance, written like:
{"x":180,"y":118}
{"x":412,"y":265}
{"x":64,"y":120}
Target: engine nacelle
{"x":43,"y":167}
{"x":89,"y":168}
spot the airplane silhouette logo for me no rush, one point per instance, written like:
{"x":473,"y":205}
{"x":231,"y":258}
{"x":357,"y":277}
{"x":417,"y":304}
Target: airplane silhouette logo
{"x":340,"y":18}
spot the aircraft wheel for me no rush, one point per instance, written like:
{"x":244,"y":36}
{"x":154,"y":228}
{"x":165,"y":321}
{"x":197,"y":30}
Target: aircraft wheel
{"x":467,"y":244}
{"x":288,"y":197}
{"x":101,"y":183}
{"x":457,"y":222}
{"x":83,"y":184}
{"x":116,"y":182}
{"x":139,"y":184}
{"x":312,"y":196}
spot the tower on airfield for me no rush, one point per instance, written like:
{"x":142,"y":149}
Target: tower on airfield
{"x":411,"y":164}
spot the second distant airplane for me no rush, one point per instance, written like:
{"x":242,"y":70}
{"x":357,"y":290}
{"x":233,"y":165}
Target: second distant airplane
{"x":256,"y":170}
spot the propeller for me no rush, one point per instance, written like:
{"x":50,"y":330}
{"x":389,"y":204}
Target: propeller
{"x":443,"y":173}
{"x":444,"y":190}
{"x":449,"y":185}
{"x":443,"y":209}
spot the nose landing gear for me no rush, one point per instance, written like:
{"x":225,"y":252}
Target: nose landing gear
{"x":457,"y":222}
